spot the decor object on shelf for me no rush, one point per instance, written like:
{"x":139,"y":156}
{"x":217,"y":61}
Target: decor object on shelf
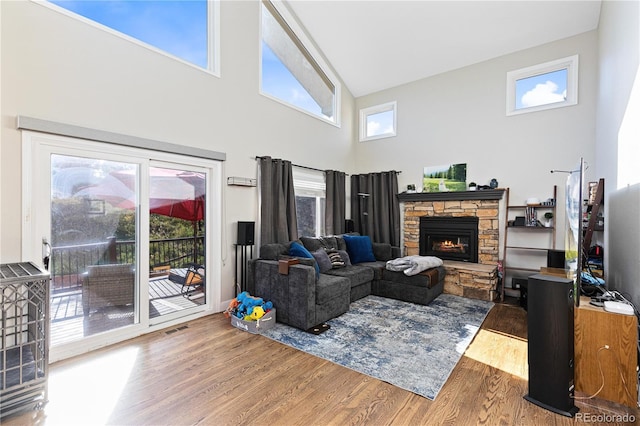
{"x":494,"y":183}
{"x":549,"y":219}
{"x":448,"y":177}
{"x":531,"y":216}
{"x":532,"y":201}
{"x":472,"y":186}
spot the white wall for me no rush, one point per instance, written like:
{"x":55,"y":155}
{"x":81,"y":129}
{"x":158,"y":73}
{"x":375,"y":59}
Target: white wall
{"x":56,"y":68}
{"x":60,"y":69}
{"x":618,"y":150}
{"x":460,"y":117}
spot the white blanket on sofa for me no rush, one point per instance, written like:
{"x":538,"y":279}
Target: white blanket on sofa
{"x":412,"y":265}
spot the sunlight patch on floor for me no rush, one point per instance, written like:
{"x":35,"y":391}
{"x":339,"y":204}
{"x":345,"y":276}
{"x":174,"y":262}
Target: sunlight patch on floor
{"x":86,"y":392}
{"x":502,"y":351}
{"x":462,"y":345}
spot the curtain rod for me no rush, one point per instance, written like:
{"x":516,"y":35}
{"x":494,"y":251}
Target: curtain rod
{"x":297,"y":165}
{"x":317,"y":170}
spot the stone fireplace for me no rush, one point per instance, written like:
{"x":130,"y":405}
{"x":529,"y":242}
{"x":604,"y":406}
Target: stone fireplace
{"x":435,"y":204}
{"x":464,"y":277}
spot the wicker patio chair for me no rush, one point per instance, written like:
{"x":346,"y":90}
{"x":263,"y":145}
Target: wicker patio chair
{"x":107,"y":285}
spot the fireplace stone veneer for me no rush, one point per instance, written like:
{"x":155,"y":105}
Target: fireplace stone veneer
{"x":485,"y":210}
{"x":463,"y":278}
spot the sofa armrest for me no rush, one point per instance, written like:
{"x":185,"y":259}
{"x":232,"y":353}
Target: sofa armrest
{"x":293,"y":295}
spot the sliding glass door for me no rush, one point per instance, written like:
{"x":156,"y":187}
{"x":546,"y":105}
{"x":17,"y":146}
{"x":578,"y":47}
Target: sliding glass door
{"x":93,"y":247}
{"x":177,"y":204}
{"x":124,"y":237}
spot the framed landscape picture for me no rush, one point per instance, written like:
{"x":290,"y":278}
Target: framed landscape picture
{"x":448,"y":177}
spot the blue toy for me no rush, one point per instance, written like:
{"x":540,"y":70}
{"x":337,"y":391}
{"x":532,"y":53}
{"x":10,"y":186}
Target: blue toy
{"x":245,"y":305}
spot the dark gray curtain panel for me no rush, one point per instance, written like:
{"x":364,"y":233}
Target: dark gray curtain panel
{"x":375,"y":209}
{"x":278,"y":223}
{"x":335,"y":202}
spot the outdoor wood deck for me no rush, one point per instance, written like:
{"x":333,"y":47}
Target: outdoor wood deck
{"x":68,"y":321}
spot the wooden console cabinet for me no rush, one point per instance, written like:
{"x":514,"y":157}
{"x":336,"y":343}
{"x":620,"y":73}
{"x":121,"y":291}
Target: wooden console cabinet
{"x":594,"y":329}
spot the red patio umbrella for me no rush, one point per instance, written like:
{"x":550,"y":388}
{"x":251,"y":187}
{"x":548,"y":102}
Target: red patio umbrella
{"x":172,"y":193}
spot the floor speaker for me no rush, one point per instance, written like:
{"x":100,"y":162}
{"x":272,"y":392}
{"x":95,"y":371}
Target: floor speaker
{"x":550,"y":343}
{"x":246,"y":233}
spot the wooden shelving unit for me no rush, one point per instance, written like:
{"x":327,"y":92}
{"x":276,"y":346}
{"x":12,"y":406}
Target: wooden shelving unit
{"x":593,"y":207}
{"x":531,"y":225}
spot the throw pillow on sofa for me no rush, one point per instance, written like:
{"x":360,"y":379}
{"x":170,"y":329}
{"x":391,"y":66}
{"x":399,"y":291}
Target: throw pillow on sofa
{"x":345,"y":257}
{"x":323,"y":260}
{"x":297,"y":250}
{"x":359,"y":248}
{"x":336,"y":259}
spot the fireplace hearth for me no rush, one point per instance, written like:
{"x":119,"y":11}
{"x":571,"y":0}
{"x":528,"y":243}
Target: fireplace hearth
{"x":449,"y":238}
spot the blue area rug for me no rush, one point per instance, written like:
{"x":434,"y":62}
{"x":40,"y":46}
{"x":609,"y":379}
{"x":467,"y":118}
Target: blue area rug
{"x":411,"y":346}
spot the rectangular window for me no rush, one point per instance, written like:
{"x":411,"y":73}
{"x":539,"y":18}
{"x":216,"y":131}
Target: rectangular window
{"x":310,"y":190}
{"x":550,"y":85}
{"x":186,"y":30}
{"x":378,"y":122}
{"x":291,"y":71}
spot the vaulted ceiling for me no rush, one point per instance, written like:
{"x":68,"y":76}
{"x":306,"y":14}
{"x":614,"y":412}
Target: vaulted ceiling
{"x":374,"y":45}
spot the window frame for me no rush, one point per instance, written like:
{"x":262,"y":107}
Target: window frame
{"x":295,"y":29}
{"x":377,"y":109}
{"x":213,"y":35}
{"x":569,"y":63}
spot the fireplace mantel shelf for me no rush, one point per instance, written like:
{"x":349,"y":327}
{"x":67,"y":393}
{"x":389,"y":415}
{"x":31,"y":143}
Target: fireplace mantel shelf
{"x":486,"y":194}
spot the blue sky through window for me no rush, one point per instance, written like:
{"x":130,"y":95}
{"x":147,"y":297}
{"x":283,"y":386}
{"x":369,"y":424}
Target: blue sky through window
{"x":541,"y":89}
{"x":278,"y":81}
{"x":177,"y":27}
{"x":380,"y":123}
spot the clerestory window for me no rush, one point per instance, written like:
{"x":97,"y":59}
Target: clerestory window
{"x":550,"y":85}
{"x":186,"y":30}
{"x":378,"y":122}
{"x":292,"y":71}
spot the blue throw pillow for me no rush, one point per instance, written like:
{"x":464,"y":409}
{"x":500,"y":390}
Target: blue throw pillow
{"x":359,"y":248}
{"x":298,"y":250}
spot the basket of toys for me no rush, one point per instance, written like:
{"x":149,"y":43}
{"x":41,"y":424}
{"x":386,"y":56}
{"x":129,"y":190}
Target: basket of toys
{"x":251,"y":313}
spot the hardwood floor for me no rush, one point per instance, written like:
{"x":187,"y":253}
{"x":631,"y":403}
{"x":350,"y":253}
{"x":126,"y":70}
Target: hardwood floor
{"x":210,"y":373}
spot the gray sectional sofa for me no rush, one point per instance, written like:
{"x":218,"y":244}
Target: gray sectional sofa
{"x":307,"y":294}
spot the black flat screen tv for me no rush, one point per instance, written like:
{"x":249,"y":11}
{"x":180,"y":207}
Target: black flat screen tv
{"x":573,"y":238}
